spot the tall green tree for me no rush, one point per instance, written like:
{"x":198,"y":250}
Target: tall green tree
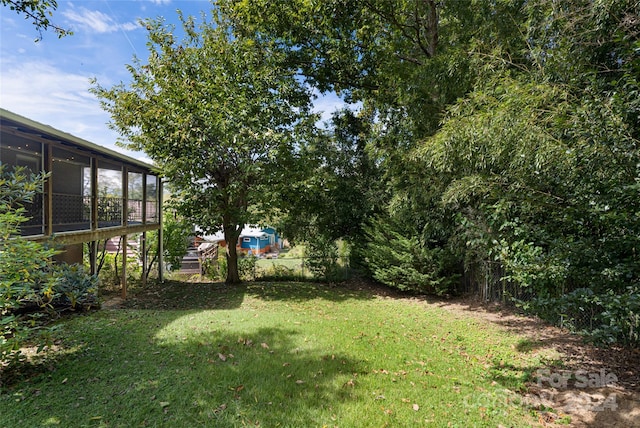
{"x":341,"y":187}
{"x":221,"y":114}
{"x":541,"y":164}
{"x":407,"y":61}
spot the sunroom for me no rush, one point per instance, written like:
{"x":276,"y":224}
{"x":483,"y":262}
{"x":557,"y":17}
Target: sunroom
{"x":92,"y":193}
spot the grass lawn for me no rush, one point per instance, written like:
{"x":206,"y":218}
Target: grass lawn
{"x":273,"y":355}
{"x":293,"y":264}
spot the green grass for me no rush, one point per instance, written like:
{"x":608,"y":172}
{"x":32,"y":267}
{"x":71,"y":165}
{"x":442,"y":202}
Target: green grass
{"x":270,"y":355}
{"x":266,"y":265}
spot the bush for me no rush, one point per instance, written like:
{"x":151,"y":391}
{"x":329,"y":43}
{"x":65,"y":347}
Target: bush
{"x":281,"y":272}
{"x":23,"y":264}
{"x":30,"y":284}
{"x":321,"y":258}
{"x":74,"y":288}
{"x":603,"y":317}
{"x":247,"y":267}
{"x":403,"y":262}
{"x":216,"y":269}
{"x":175,"y":239}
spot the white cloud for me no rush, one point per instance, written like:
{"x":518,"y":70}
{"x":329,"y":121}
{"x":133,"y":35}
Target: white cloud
{"x":41,"y":92}
{"x":96,"y":21}
{"x":160,"y":2}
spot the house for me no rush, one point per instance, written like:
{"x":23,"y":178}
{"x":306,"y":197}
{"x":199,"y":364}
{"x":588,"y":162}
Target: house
{"x":92,"y":193}
{"x":253,"y":240}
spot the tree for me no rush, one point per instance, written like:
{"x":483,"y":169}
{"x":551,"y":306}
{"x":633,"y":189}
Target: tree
{"x":343,"y":185}
{"x":406,"y":61}
{"x":541,"y":166}
{"x":176,"y":233}
{"x":221,"y":114}
{"x":507,"y":133}
{"x":39,"y":11}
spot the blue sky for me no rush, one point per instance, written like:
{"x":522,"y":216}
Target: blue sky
{"x":48,"y":81}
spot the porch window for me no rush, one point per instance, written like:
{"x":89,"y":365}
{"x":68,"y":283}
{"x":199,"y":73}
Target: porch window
{"x":152,"y":199}
{"x":27,"y":154}
{"x":109,"y":189}
{"x":71,"y":191}
{"x":135,"y":198}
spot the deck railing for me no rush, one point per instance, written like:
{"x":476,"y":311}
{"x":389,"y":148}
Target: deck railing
{"x":73,"y":213}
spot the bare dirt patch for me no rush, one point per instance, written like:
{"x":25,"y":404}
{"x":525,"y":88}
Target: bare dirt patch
{"x":588,"y":386}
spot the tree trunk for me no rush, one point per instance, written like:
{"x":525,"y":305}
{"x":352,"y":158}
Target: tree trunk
{"x":231,"y":234}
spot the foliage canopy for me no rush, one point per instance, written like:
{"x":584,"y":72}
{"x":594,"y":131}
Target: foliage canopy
{"x":39,"y":11}
{"x":505,"y":135}
{"x":222,"y":115}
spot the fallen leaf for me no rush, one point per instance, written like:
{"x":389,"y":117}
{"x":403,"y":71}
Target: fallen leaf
{"x":416,"y":407}
{"x":64,"y":380}
{"x":299,"y":382}
{"x":164,"y":404}
{"x":264,"y":345}
{"x":222,"y":357}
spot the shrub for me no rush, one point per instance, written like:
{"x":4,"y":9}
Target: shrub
{"x":321,"y":255}
{"x":602,"y":317}
{"x":30,"y":284}
{"x":22,"y":262}
{"x":175,"y":239}
{"x":403,"y":262}
{"x":247,"y":267}
{"x":74,"y":288}
{"x":215,"y":269}
{"x":280,"y":272}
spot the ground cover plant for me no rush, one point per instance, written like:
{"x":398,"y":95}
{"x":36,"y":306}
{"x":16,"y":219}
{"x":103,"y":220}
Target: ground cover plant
{"x":273,"y":354}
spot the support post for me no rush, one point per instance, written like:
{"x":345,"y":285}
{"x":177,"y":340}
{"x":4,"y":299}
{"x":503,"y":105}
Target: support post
{"x":123,"y":282}
{"x":94,"y":194}
{"x":160,"y":231}
{"x":48,"y":191}
{"x":143,"y":247}
{"x":93,"y":255}
{"x":125,"y":197}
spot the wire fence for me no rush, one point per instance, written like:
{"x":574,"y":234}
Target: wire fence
{"x":284,"y":268}
{"x":488,"y":280}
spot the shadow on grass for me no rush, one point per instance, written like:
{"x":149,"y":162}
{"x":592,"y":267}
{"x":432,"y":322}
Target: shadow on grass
{"x":143,"y":368}
{"x":264,"y":378}
{"x":181,"y":295}
{"x":303,"y":291}
{"x":218,"y":295}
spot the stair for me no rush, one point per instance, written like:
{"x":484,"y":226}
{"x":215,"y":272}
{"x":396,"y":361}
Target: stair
{"x":190,"y":263}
